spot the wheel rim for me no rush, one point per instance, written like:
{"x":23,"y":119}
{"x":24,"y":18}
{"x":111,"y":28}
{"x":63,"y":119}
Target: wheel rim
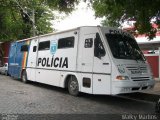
{"x":73,"y":86}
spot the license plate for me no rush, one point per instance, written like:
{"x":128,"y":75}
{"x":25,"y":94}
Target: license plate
{"x":142,"y":84}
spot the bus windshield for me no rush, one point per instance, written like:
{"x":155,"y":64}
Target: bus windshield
{"x":124,"y":47}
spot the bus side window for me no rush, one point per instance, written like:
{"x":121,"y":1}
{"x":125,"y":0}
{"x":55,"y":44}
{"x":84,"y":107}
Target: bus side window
{"x":24,"y":48}
{"x":45,"y":45}
{"x":99,"y":50}
{"x":88,"y":43}
{"x":67,"y":42}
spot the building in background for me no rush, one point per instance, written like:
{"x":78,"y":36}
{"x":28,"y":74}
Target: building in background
{"x":150,"y":48}
{"x":4,"y":51}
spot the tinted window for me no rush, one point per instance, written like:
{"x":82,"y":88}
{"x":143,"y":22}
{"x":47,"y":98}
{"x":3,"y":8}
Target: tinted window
{"x":124,"y":47}
{"x":24,"y":48}
{"x":34,"y":48}
{"x":88,"y":43}
{"x":44,"y":45}
{"x":66,"y":42}
{"x":99,"y":50}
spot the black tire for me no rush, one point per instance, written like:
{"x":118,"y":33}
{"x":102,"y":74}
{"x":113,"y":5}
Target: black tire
{"x":24,"y":76}
{"x":6,"y":73}
{"x":73,"y":87}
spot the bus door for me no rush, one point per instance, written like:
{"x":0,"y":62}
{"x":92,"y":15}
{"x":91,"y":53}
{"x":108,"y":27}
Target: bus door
{"x":101,"y":68}
{"x":31,"y":71}
{"x":87,"y":62}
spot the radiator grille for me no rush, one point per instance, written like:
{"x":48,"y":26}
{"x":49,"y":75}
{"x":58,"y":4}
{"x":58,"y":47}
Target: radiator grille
{"x":137,"y":68}
{"x":140,"y":78}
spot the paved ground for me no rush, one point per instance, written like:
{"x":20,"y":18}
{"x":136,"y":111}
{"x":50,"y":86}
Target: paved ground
{"x":156,"y":89}
{"x":33,"y":98}
{"x":152,"y":95}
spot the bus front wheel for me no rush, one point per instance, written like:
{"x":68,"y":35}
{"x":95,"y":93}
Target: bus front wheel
{"x":73,"y":86}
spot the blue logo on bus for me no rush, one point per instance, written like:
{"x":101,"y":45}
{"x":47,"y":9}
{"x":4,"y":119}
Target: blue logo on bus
{"x":53,"y":47}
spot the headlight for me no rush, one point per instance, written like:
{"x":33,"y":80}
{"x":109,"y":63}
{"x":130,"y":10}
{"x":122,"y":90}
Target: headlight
{"x":122,"y":77}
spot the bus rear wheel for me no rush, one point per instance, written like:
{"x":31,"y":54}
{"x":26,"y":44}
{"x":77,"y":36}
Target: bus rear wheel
{"x":73,"y":87}
{"x":24,"y":76}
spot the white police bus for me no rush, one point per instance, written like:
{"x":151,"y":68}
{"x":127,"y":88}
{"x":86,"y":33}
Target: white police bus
{"x":91,"y":59}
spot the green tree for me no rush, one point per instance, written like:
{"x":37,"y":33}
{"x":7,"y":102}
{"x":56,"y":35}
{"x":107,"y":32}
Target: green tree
{"x":16,"y":16}
{"x":117,"y":11}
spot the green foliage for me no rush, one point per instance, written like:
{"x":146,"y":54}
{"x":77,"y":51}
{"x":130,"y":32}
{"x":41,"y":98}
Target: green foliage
{"x":117,"y":11}
{"x":8,"y":23}
{"x":63,"y":5}
{"x":16,"y":17}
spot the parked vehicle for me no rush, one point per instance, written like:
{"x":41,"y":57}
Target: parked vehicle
{"x":94,"y":60}
{"x":4,"y":69}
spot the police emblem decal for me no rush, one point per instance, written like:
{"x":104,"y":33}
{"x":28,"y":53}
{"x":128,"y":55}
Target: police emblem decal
{"x":53,"y":47}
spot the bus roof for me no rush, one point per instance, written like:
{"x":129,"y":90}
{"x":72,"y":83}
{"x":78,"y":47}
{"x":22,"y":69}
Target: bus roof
{"x":54,"y":33}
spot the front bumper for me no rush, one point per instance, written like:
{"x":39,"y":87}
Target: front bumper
{"x":129,"y":86}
